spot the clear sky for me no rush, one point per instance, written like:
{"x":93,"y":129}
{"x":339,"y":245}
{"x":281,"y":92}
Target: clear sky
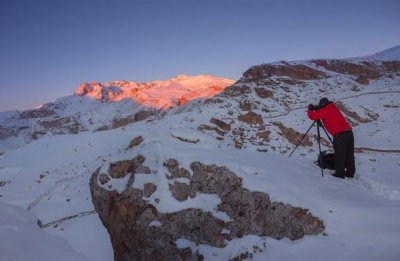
{"x":49,"y":47}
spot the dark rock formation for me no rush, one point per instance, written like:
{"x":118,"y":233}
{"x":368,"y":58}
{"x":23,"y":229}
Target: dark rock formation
{"x":42,"y":112}
{"x":346,"y":67}
{"x":221,"y":124}
{"x":263,"y":92}
{"x":236,"y":90}
{"x":295,"y":71}
{"x":362,"y":80}
{"x":62,"y":125}
{"x":292,"y":135}
{"x":135,"y":142}
{"x":139,"y":232}
{"x":251,"y":118}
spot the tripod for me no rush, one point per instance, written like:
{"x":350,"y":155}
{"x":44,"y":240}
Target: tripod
{"x":319,"y":125}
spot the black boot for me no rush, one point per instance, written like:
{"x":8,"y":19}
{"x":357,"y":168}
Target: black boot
{"x":338,"y":176}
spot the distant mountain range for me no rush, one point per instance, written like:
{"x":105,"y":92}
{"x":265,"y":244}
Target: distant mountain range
{"x":158,"y":94}
{"x":99,"y":106}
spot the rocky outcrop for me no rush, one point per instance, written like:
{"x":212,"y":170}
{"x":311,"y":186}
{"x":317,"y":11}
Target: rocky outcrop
{"x":135,"y":142}
{"x":292,"y":135}
{"x":294,"y":71}
{"x":42,"y":112}
{"x":263,"y":92}
{"x":362,"y":80}
{"x":391,"y":66}
{"x":365,"y":69}
{"x":221,"y":124}
{"x":62,"y":125}
{"x":139,"y":231}
{"x":251,"y":118}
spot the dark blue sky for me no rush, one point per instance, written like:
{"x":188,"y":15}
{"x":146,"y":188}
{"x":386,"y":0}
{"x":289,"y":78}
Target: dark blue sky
{"x":49,"y":47}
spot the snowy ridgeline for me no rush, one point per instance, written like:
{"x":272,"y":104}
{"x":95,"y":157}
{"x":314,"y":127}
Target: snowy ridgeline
{"x":22,"y":239}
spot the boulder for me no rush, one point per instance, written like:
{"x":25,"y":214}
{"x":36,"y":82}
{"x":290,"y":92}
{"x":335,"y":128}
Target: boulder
{"x":139,"y":231}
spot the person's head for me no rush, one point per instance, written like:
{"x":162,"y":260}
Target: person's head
{"x":323,"y":102}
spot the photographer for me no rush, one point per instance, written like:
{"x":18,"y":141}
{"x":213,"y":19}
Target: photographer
{"x":343,"y":139}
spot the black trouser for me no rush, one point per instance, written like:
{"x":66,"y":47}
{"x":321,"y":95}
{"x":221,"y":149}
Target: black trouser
{"x":343,"y":144}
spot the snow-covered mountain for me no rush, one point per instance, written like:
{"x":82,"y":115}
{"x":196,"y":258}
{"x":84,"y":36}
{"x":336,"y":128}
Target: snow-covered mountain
{"x":158,"y":94}
{"x":182,"y":164}
{"x":100,"y":106}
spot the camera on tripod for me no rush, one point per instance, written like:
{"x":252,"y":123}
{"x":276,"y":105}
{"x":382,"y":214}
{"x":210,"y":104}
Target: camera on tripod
{"x":314,"y":107}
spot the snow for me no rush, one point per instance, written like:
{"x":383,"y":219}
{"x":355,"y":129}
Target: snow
{"x":22,"y":239}
{"x":391,"y":54}
{"x":49,"y":177}
{"x":350,"y":209}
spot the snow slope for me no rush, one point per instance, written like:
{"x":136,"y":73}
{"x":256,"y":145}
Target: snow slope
{"x":22,"y":239}
{"x":391,"y":54}
{"x":349,"y":208}
{"x":49,"y":176}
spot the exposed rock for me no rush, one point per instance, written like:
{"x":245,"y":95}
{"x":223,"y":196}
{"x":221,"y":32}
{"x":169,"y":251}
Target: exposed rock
{"x":246,"y":105}
{"x":143,"y":114}
{"x":236,"y":90}
{"x":149,"y":189}
{"x":42,"y":112}
{"x":351,"y":114}
{"x":391,"y":106}
{"x":238,"y":144}
{"x":122,"y":168}
{"x":37,"y":134}
{"x":127,"y":216}
{"x":264,"y":135}
{"x":135,"y":142}
{"x":290,"y":81}
{"x":264,"y":92}
{"x":251,"y":118}
{"x":391,"y":66}
{"x":180,"y":191}
{"x":213,"y":101}
{"x":174,"y":170}
{"x":292,"y":135}
{"x":346,"y":67}
{"x":186,"y":139}
{"x":221,"y":124}
{"x":104,"y":178}
{"x":295,"y":71}
{"x":206,"y":127}
{"x":362,"y":80}
{"x":61,"y":125}
{"x":119,"y":122}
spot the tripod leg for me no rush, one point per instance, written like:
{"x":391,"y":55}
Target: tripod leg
{"x":319,"y":145}
{"x":327,"y":135}
{"x":302,"y":138}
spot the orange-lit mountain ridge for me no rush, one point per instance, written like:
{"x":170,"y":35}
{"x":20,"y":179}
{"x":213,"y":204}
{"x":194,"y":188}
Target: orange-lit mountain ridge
{"x":157,"y":94}
{"x":99,"y":106}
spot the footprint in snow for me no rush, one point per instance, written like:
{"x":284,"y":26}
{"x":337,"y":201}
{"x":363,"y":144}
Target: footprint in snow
{"x":377,"y":188}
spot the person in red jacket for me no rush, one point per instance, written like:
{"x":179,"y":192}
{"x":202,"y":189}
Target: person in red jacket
{"x":343,"y":138}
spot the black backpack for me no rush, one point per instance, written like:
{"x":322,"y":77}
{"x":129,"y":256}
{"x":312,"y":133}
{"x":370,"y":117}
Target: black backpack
{"x":326,"y":160}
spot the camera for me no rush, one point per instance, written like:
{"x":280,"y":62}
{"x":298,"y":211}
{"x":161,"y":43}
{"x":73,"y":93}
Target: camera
{"x":314,"y":107}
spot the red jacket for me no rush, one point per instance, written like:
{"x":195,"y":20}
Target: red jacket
{"x":331,"y":118}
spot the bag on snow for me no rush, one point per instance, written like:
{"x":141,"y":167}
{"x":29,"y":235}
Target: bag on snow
{"x":326,"y":160}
